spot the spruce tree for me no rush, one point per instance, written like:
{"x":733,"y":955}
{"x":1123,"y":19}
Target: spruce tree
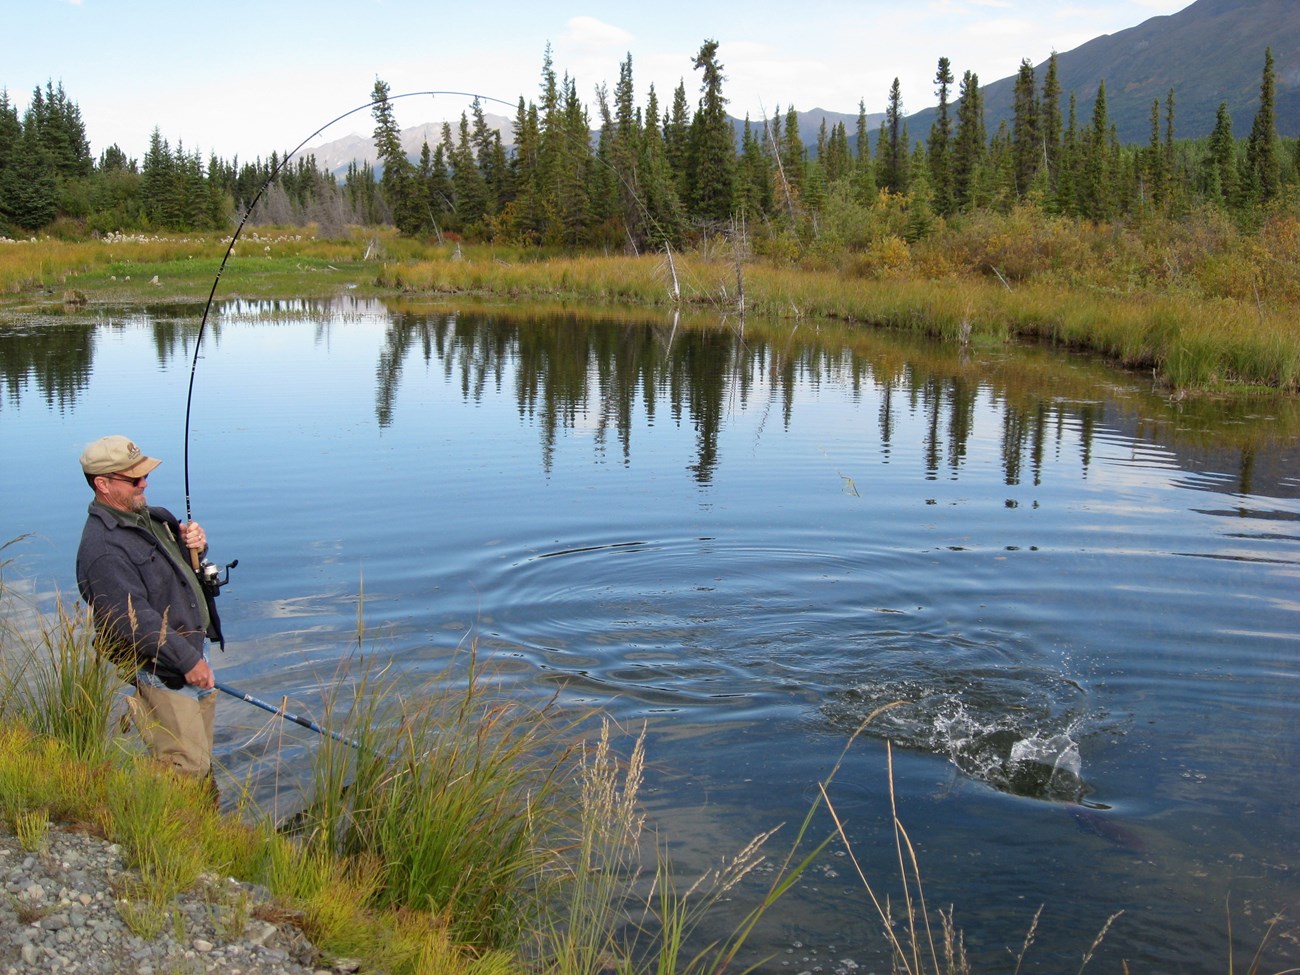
{"x":839,"y":162}
{"x":11,"y":140}
{"x":864,"y":177}
{"x":1067,"y":177}
{"x":971,"y":143}
{"x":1263,"y":177}
{"x":1027,"y":145}
{"x":1049,"y":109}
{"x":1219,"y":172}
{"x":891,"y":172}
{"x":677,"y":130}
{"x":1096,"y":190}
{"x":398,"y":178}
{"x":939,"y":147}
{"x":1153,"y":167}
{"x":794,"y":155}
{"x":659,"y":193}
{"x":712,"y":143}
{"x":159,"y":184}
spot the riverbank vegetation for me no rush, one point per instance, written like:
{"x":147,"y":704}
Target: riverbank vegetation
{"x":1209,"y":308}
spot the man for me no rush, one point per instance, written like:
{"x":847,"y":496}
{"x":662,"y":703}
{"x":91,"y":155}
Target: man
{"x":151,"y":612}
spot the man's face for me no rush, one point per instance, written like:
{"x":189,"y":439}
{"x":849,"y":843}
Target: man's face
{"x":122,"y":492}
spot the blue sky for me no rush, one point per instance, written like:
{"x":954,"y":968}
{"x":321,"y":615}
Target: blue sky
{"x":244,"y":77}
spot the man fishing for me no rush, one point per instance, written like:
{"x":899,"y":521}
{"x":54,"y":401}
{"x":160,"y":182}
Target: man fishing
{"x":151,"y":612}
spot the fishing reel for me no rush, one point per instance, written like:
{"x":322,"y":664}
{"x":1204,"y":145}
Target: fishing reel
{"x":211,"y":575}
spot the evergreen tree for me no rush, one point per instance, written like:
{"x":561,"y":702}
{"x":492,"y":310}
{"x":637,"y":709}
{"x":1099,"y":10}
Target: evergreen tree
{"x":1263,"y":177}
{"x":1027,"y":144}
{"x":1049,"y":110}
{"x":864,"y":177}
{"x":939,"y":147}
{"x":659,"y":192}
{"x":794,"y":155}
{"x":971,"y":143}
{"x":890,"y":170}
{"x":1219,"y":170}
{"x":571,"y":193}
{"x":754,"y":177}
{"x":53,"y":122}
{"x":11,"y":141}
{"x":1172,"y":183}
{"x":422,"y":191}
{"x":996,"y":185}
{"x":839,"y":161}
{"x":609,"y":221}
{"x":160,"y":185}
{"x":397,"y":181}
{"x":712,"y":157}
{"x":1067,"y":177}
{"x":677,"y":131}
{"x":1096,"y":191}
{"x":489,"y":157}
{"x":527,"y":217}
{"x":1153,"y":165}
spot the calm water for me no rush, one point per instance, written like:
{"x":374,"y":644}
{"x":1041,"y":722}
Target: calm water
{"x":1087,"y":598}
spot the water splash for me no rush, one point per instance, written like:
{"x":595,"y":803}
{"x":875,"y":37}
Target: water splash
{"x":1017,"y":730}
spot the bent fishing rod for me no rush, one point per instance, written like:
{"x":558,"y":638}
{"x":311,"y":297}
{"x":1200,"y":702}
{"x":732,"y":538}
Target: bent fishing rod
{"x":234,"y":238}
{"x":275,"y":172}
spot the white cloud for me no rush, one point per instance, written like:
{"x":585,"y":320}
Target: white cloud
{"x":591,"y":35}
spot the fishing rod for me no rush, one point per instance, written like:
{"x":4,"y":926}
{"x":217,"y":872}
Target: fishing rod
{"x":234,"y":238}
{"x":208,"y":572}
{"x":287,"y":715}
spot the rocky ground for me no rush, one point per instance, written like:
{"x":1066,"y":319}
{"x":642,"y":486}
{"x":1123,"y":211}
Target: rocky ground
{"x":63,"y":909}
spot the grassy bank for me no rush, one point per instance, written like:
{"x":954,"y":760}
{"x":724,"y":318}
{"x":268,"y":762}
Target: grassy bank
{"x":1215,"y":310}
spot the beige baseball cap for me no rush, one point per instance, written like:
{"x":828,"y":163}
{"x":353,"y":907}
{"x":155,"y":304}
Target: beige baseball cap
{"x":116,"y":455}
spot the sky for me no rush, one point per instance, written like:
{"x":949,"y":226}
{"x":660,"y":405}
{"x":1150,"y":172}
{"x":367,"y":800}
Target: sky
{"x":242,"y":78}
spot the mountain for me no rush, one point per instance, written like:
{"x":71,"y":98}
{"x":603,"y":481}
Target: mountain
{"x":810,"y":123}
{"x":336,"y":156}
{"x":1208,"y":53}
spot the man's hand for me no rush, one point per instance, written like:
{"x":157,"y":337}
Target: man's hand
{"x":194,"y":537}
{"x":201,"y":676}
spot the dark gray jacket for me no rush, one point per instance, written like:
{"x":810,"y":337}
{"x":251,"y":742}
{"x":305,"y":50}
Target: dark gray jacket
{"x":145,"y":601}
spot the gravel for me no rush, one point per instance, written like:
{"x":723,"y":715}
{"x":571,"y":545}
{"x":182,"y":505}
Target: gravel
{"x":62,"y":912}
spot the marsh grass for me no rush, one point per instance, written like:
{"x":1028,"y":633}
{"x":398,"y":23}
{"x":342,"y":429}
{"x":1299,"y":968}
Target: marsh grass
{"x":1203,"y":304}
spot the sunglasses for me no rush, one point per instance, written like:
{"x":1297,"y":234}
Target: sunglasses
{"x":133,"y":481}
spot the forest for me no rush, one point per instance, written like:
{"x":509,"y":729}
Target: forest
{"x":625,"y":177}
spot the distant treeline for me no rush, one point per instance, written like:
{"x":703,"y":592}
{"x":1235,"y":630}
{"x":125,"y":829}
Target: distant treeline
{"x":655,"y":175}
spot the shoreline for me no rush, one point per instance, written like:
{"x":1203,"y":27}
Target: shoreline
{"x":1192,"y":345}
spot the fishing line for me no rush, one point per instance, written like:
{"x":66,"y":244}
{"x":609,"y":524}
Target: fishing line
{"x":275,"y":172}
{"x":248,"y":210}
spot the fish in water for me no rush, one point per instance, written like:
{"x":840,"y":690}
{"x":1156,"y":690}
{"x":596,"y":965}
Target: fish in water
{"x":1096,"y":822}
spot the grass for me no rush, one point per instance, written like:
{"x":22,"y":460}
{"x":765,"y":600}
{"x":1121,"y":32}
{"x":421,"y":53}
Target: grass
{"x":1199,"y":303}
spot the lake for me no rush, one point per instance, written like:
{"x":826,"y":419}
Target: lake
{"x":1080,"y":597}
